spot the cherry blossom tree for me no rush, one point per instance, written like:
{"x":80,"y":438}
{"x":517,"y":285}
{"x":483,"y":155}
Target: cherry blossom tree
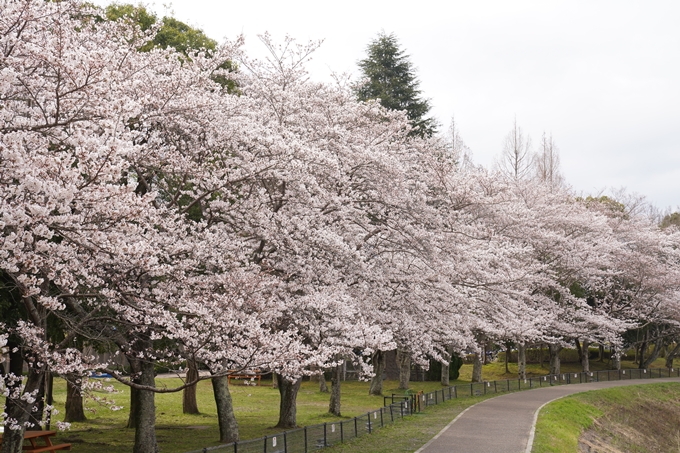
{"x":90,"y":233}
{"x":288,"y":227}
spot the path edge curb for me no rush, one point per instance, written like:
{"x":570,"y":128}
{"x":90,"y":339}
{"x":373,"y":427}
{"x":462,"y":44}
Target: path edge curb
{"x":532,"y":433}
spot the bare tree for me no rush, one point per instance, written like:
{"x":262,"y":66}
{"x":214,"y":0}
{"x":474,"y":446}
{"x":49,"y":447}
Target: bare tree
{"x":515,"y":160}
{"x":547,"y":163}
{"x":460,"y":152}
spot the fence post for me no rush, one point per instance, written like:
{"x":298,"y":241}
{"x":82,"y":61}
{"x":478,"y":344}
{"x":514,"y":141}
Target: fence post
{"x":342,"y":434}
{"x":285,"y":443}
{"x":391,"y":414}
{"x":236,"y":447}
{"x":305,"y":439}
{"x":455,"y":390}
{"x":382,"y":424}
{"x":495,"y":386}
{"x":265,"y":444}
{"x":369,"y":422}
{"x":325,"y":436}
{"x":471,"y":393}
{"x":356,"y":431}
{"x":519,"y":384}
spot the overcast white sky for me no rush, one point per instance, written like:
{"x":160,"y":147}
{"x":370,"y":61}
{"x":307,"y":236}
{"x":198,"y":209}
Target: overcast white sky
{"x":603,"y":77}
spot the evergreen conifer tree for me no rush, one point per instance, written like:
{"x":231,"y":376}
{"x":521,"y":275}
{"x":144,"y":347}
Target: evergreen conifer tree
{"x":390,"y":77}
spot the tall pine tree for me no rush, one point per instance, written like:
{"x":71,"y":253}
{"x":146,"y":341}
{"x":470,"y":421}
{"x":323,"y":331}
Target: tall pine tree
{"x":390,"y":77}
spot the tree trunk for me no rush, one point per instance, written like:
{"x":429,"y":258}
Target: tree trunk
{"x":49,"y":399}
{"x":145,"y":409}
{"x":658,"y":345}
{"x":320,"y":378}
{"x":616,"y":358}
{"x":640,"y":353}
{"x":135,"y":370}
{"x":287,"y":409}
{"x":134,"y":397}
{"x":445,"y":368}
{"x":507,"y":358}
{"x":225,"y":410}
{"x":522,"y":360}
{"x":585,"y":356}
{"x":477,"y":367}
{"x":336,"y":377}
{"x":323,"y":387}
{"x":275,"y":381}
{"x":15,"y":369}
{"x":20,"y":410}
{"x":378,"y":360}
{"x":579,"y":350}
{"x":74,"y":399}
{"x":189,"y":404}
{"x":555,"y":358}
{"x":671,"y":355}
{"x":445,"y":374}
{"x":35,"y":418}
{"x":142,"y":416}
{"x":404,"y":362}
{"x":601,"y":353}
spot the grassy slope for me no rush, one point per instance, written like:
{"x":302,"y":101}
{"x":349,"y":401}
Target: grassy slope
{"x":257,"y":411}
{"x":643,"y":418}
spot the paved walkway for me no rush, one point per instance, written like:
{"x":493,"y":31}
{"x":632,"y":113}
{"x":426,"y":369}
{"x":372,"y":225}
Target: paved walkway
{"x":505,"y":424}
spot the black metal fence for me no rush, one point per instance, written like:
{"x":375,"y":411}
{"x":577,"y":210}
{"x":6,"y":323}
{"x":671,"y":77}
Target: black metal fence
{"x":317,"y":437}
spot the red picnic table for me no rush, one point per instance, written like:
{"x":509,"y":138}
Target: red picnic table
{"x":35,"y":447}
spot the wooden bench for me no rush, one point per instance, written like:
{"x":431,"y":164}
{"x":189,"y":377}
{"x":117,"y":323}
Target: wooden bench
{"x":245,"y":375}
{"x":32,"y":436}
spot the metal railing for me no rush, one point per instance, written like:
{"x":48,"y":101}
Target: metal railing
{"x":317,"y":437}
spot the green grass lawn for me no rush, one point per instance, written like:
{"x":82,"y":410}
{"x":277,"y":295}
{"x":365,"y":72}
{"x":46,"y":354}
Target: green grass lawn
{"x":256,"y":409}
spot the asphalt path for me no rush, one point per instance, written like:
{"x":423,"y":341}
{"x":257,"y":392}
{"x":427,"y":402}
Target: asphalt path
{"x":505,"y":424}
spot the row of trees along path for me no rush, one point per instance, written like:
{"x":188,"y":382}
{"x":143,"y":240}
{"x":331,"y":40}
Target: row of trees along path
{"x":177,"y":206}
